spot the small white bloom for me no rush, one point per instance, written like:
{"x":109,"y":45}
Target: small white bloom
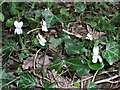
{"x":42,"y":41}
{"x":89,"y":36}
{"x":96,"y":58}
{"x":96,"y":50}
{"x":47,"y":9}
{"x":44,"y":26}
{"x":18,"y":26}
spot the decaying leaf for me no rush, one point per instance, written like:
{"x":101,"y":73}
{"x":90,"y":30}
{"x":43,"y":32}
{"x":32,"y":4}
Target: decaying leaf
{"x":95,"y":34}
{"x":28,"y":63}
{"x":41,"y":61}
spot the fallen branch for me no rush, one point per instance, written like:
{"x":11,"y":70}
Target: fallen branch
{"x":108,"y":80}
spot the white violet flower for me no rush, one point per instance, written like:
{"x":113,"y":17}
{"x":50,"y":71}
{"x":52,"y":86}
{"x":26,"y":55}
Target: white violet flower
{"x":89,"y":36}
{"x":42,"y":41}
{"x":96,"y":50}
{"x":18,"y":26}
{"x":95,"y":56}
{"x":44,"y":26}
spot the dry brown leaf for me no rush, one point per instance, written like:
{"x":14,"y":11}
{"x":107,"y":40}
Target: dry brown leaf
{"x":28,"y":63}
{"x":43,"y":61}
{"x":95,"y":34}
{"x":40,"y":61}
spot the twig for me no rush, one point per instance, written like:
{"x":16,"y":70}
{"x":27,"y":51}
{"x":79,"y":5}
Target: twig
{"x":33,"y":30}
{"x":10,"y":57}
{"x":107,"y":80}
{"x":40,"y":77}
{"x":35,"y":58}
{"x":55,"y":79}
{"x":94,"y":76}
{"x":2,"y":2}
{"x":10,"y":82}
{"x":79,"y":36}
{"x":34,"y":67}
{"x":82,"y":81}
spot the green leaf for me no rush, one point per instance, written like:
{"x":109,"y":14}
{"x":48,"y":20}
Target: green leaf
{"x":32,"y":20}
{"x":92,"y":23}
{"x":27,"y":81}
{"x":38,"y":13}
{"x":73,"y":64}
{"x":23,"y":55}
{"x":79,"y":7}
{"x":4,"y":79}
{"x":72,"y":49}
{"x":8,"y":46}
{"x":13,"y":10}
{"x":91,"y":85}
{"x":76,"y":84}
{"x":9,"y":22}
{"x":82,"y":71}
{"x":50,"y":18}
{"x":1,"y":17}
{"x":95,"y":66}
{"x":64,"y":11}
{"x":111,"y":53}
{"x":18,"y":71}
{"x":55,"y":42}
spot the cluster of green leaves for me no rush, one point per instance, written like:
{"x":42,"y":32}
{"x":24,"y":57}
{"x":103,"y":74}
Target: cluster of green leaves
{"x":78,"y":51}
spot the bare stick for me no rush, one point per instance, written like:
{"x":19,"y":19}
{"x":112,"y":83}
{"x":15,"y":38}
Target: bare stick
{"x":10,"y":82}
{"x":107,"y":80}
{"x":36,"y":57}
{"x":2,"y":2}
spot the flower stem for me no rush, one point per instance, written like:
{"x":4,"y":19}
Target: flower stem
{"x":22,"y":45}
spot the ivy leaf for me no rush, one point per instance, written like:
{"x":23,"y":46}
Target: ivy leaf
{"x":111,"y":52}
{"x":72,"y":49}
{"x":27,"y":81}
{"x":79,"y":7}
{"x":1,"y":17}
{"x":64,"y":11}
{"x":55,"y":42}
{"x":91,"y":85}
{"x":73,"y":64}
{"x":37,"y":14}
{"x":50,"y":18}
{"x":82,"y":71}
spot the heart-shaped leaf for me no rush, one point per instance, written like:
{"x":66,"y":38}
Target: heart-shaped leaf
{"x":9,"y":22}
{"x":95,"y":66}
{"x":55,"y":42}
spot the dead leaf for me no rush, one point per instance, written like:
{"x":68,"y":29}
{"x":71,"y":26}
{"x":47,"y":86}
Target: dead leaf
{"x":43,"y":61}
{"x":95,"y":34}
{"x":28,"y":63}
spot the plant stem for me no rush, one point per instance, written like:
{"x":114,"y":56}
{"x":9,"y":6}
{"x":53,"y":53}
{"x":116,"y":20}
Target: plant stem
{"x":94,"y":75}
{"x":21,"y":42}
{"x":22,"y":45}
